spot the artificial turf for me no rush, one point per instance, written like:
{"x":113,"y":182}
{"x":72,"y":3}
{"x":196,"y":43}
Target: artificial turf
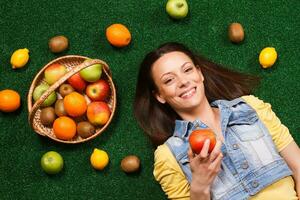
{"x":31,"y":23}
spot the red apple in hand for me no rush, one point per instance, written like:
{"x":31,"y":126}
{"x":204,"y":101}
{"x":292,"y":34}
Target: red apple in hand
{"x":98,"y":113}
{"x":98,"y":91}
{"x":77,"y":82}
{"x":198,"y":137}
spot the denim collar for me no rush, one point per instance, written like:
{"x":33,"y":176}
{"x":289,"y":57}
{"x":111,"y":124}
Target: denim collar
{"x":183,"y":127}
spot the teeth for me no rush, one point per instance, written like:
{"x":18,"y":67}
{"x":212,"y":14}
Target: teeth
{"x":188,"y":93}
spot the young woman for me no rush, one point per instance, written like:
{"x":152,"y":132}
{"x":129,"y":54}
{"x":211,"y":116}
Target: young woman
{"x":255,"y":156}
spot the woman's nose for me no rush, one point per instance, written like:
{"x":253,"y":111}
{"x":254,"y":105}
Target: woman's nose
{"x":183,"y":82}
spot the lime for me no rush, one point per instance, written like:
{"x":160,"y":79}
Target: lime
{"x":99,"y":159}
{"x":267,"y":57}
{"x":19,"y":58}
{"x":52,"y":162}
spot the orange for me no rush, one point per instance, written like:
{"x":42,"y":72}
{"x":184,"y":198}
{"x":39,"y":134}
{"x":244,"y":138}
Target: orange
{"x":118,"y":35}
{"x":99,"y":159}
{"x":64,"y":128}
{"x":9,"y":100}
{"x":75,"y":104}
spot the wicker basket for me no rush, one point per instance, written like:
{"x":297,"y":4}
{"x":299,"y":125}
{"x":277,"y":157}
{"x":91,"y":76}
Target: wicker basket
{"x":74,"y":64}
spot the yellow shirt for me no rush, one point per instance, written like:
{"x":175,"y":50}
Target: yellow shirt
{"x":174,"y":183}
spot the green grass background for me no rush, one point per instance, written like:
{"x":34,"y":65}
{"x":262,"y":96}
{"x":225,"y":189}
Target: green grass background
{"x":31,"y":23}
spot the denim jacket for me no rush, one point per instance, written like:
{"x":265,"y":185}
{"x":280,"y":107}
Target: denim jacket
{"x":250,"y":162}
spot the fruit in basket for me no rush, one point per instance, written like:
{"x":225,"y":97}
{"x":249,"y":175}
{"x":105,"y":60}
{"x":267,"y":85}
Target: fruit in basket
{"x":77,"y":82}
{"x":64,"y":128}
{"x":58,"y":44}
{"x":85,"y":129}
{"x":130,"y":164}
{"x":19,"y":58}
{"x":59,"y":108}
{"x":99,"y":159}
{"x":10,"y":100}
{"x":54,"y":72}
{"x":75,"y":104}
{"x":177,"y":9}
{"x":98,"y":113}
{"x":65,"y":89}
{"x":91,"y":73}
{"x":38,"y":92}
{"x":118,"y":35}
{"x":52,"y":162}
{"x":47,"y":116}
{"x":98,"y":91}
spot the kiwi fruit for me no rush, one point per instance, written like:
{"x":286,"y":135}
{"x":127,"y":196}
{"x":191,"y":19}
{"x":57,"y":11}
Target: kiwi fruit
{"x":85,"y":129}
{"x":59,"y":108}
{"x":58,"y":44}
{"x":236,"y":32}
{"x":65,"y":89}
{"x":47,"y":116}
{"x":130,"y":164}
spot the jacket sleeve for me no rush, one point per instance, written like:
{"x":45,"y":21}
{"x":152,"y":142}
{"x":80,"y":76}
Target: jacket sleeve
{"x":169,"y":174}
{"x":279,"y":132}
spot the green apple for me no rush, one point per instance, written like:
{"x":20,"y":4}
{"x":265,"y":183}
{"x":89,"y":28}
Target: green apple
{"x":91,"y":73}
{"x":177,"y":9}
{"x":52,"y":162}
{"x":54,"y":72}
{"x":39,"y":91}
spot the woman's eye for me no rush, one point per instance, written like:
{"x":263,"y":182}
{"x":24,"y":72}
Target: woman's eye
{"x":188,"y":69}
{"x":167,"y":81}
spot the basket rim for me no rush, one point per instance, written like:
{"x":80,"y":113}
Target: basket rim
{"x":40,"y":72}
{"x":31,"y":104}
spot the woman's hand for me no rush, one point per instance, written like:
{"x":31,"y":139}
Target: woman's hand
{"x":205,"y":168}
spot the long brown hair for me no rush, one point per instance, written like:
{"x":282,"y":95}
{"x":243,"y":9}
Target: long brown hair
{"x":158,"y":120}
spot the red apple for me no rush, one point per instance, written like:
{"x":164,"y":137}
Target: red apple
{"x":98,"y":113}
{"x":54,"y":72}
{"x":198,"y":137}
{"x":98,"y":91}
{"x":77,"y":82}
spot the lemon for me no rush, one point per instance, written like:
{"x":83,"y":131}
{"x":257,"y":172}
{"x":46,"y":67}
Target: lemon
{"x":99,"y":159}
{"x":267,"y":57}
{"x":19,"y":58}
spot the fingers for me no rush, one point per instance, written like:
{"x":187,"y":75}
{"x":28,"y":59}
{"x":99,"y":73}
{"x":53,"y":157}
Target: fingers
{"x":204,"y":151}
{"x":216,"y":151}
{"x":191,"y":154}
{"x":216,"y":164}
{"x":204,"y":155}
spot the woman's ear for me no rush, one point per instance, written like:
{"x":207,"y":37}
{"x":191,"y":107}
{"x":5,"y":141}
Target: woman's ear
{"x":200,"y":72}
{"x":158,"y":97}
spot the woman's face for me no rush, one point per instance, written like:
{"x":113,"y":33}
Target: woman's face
{"x":179,"y":82}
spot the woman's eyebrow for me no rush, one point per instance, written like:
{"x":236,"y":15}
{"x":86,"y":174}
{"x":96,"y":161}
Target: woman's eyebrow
{"x":184,"y":64}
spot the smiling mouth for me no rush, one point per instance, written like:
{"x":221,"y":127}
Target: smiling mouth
{"x":188,"y":94}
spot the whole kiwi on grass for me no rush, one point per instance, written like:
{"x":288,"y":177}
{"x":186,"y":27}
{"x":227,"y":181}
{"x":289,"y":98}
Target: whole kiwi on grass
{"x":58,"y":44}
